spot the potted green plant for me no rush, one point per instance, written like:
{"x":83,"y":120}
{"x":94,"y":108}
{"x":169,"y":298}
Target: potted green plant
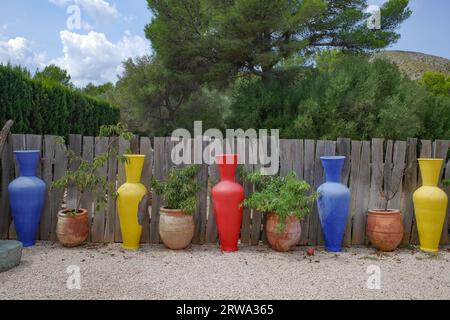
{"x":384,"y":226}
{"x":72,"y":228}
{"x":176,"y":225}
{"x":285,"y":200}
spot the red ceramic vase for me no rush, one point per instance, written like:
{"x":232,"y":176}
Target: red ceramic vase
{"x":227,"y":196}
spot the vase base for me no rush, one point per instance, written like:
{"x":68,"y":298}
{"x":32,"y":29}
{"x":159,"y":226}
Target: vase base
{"x":131,"y":248}
{"x":229,"y":249}
{"x":333,"y":249}
{"x":28,"y":244}
{"x":429,"y":250}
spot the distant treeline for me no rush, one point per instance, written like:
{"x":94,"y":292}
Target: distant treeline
{"x":45,"y":107}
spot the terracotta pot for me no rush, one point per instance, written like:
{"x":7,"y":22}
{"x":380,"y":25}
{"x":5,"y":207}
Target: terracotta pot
{"x":176,"y":228}
{"x":385,"y":229}
{"x":72,"y":230}
{"x":286,"y":240}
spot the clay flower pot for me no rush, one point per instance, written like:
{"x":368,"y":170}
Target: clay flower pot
{"x":72,"y":230}
{"x":176,"y":228}
{"x":287,"y":239}
{"x":385,"y":229}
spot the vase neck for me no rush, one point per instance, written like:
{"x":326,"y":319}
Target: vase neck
{"x":133,"y":168}
{"x":430,"y":170}
{"x":28,"y":161}
{"x":227,"y":167}
{"x":333,"y":168}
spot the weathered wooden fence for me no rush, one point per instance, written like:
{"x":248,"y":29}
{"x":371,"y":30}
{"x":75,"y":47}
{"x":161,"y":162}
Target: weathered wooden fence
{"x":368,"y":164}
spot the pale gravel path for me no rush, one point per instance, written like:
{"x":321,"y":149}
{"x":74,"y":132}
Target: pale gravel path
{"x":204,"y":272}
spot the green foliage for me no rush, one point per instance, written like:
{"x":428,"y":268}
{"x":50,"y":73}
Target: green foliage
{"x":206,"y":40}
{"x":85,"y":177}
{"x":179,"y":189}
{"x":44,"y":107}
{"x":97,"y":91}
{"x":436,"y":82}
{"x":55,"y":74}
{"x":285,"y":196}
{"x":155,"y":101}
{"x":346,"y":95}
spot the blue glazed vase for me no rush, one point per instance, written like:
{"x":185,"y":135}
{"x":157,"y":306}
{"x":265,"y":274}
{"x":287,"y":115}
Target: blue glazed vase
{"x":26,"y":197}
{"x":333,"y":203}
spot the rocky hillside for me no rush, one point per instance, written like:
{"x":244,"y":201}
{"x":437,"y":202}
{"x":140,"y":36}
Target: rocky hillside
{"x":414,"y":64}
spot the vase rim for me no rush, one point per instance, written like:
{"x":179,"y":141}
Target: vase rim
{"x":227,"y":155}
{"x":26,"y":151}
{"x":134,"y":155}
{"x":333,"y":157}
{"x":430,"y":159}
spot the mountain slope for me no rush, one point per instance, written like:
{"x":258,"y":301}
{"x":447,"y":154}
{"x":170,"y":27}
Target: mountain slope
{"x":414,"y":64}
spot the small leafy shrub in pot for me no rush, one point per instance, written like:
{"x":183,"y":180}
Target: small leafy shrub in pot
{"x":179,"y":191}
{"x":286,"y":200}
{"x":73,"y":223}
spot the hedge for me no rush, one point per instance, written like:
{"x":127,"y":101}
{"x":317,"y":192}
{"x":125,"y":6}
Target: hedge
{"x":43,"y":107}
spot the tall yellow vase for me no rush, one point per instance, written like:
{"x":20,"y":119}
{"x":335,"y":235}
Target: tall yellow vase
{"x":130,"y":195}
{"x":430,"y":205}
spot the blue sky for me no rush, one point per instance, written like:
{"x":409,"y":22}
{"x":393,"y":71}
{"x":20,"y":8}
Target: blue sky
{"x":35,"y":33}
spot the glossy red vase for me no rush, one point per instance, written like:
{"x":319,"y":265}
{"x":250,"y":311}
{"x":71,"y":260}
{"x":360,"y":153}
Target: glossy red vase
{"x":227,"y":196}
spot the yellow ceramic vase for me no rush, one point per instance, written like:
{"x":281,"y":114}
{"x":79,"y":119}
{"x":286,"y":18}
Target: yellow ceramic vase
{"x":130,"y":195}
{"x":430,"y":205}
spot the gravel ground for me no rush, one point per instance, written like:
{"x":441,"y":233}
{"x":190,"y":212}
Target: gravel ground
{"x":204,"y":272}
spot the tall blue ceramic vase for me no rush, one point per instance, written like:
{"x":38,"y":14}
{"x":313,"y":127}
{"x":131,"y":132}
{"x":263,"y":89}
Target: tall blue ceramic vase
{"x":333,"y":203}
{"x":26,"y":197}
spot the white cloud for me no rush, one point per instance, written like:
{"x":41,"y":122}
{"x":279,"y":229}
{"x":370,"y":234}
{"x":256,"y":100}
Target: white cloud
{"x":93,"y":58}
{"x":19,"y":51}
{"x":97,"y":9}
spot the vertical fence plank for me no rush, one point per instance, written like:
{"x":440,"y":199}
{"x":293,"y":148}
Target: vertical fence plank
{"x":57,"y":195}
{"x":329,"y":150}
{"x":18,"y":143}
{"x":445,"y":231}
{"x":298,"y":157}
{"x":110,"y":214}
{"x":314,"y":222}
{"x":244,"y":157}
{"x":308,"y":176}
{"x":410,"y":185}
{"x":362,"y":196}
{"x":257,"y":216}
{"x":324,"y":148}
{"x":211,"y":225}
{"x":147,"y":172}
{"x":426,"y":151}
{"x":376,"y":182}
{"x":47,"y":176}
{"x":6,"y":174}
{"x":286,"y":157}
{"x":354,"y":178}
{"x":396,"y":185}
{"x":343,"y":148}
{"x":159,"y":159}
{"x":34,"y":142}
{"x":98,"y":225}
{"x":124,"y":147}
{"x":75,"y":141}
{"x":440,"y":151}
{"x":88,"y":200}
{"x":202,"y":181}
